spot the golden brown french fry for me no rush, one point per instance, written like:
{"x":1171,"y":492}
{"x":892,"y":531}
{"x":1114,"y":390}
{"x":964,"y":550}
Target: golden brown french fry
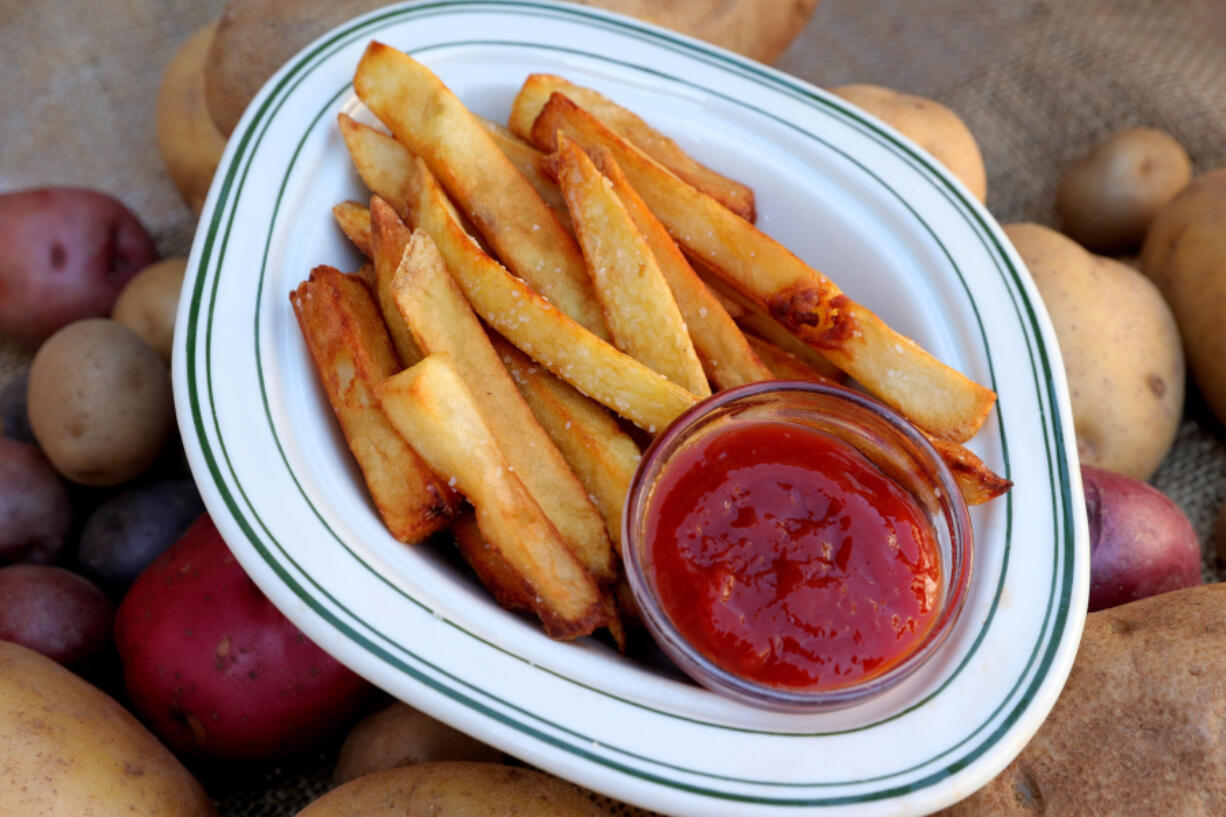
{"x":353,"y":355}
{"x":531,"y":162}
{"x":602,"y":455}
{"x":389,"y":237}
{"x":383,"y":163}
{"x":643,"y":319}
{"x":536,"y":91}
{"x":428,"y":118}
{"x":433,"y":409}
{"x":721,"y":346}
{"x":755,"y":322}
{"x":538,"y":328}
{"x":893,"y":367}
{"x":441,"y":321}
{"x":354,"y":220}
{"x":508,"y":587}
{"x":366,"y":273}
{"x":785,"y":365}
{"x":976,"y":482}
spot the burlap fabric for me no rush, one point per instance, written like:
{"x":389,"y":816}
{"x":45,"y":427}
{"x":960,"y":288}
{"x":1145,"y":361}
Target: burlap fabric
{"x":1037,"y":81}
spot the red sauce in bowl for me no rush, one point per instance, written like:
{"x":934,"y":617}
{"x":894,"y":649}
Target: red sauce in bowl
{"x":787,"y":558}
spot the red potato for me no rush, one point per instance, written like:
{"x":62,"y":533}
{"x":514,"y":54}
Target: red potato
{"x":54,"y":612}
{"x":1141,"y":544}
{"x":215,"y":669}
{"x":35,"y":512}
{"x":67,"y":254}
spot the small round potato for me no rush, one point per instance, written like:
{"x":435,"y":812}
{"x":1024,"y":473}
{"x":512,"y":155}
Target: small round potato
{"x":929,"y":124}
{"x":149,"y":303}
{"x":67,"y":253}
{"x":400,"y":735}
{"x":1121,"y":351}
{"x":1185,"y":255}
{"x":190,"y":144}
{"x":455,"y":789}
{"x":99,"y":402}
{"x":1108,"y":197}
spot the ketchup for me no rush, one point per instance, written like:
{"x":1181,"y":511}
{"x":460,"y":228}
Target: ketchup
{"x":787,"y":558}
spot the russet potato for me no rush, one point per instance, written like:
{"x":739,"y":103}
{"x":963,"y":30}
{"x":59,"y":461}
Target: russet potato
{"x":254,"y":37}
{"x":1120,"y":347}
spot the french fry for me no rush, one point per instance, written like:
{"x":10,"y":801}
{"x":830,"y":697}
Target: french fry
{"x":643,"y":319}
{"x":428,"y":118}
{"x":441,"y":321}
{"x":354,"y":220}
{"x":353,"y":355}
{"x":755,"y":322}
{"x":893,"y":367}
{"x":536,"y":91}
{"x":386,"y":166}
{"x":976,"y":482}
{"x":721,"y":346}
{"x":532,"y":163}
{"x":784,"y":365}
{"x":602,"y":455}
{"x":508,"y":587}
{"x":433,"y":409}
{"x":389,"y":237}
{"x":366,"y":274}
{"x":538,"y":328}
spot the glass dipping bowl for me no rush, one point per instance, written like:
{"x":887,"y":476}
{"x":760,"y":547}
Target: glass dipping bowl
{"x":888,"y":441}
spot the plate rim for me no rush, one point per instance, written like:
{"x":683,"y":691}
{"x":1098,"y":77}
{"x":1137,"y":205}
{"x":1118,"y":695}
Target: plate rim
{"x":1064,"y":516}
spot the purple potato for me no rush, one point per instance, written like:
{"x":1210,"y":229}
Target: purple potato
{"x":14,"y":418}
{"x":67,"y":254}
{"x":35,"y":513}
{"x":132,"y":528}
{"x":54,"y":612}
{"x":1141,"y":544}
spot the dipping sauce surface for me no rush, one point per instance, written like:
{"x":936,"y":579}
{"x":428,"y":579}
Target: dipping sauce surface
{"x":787,"y":558}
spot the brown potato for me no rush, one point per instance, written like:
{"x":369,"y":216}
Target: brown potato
{"x":254,"y":37}
{"x":69,"y":749}
{"x":1120,"y":347}
{"x":99,"y":402}
{"x":190,"y":144}
{"x":399,"y":735}
{"x":1137,"y":729}
{"x":1108,"y":197}
{"x":149,"y":303}
{"x":929,"y":124}
{"x":454,"y":789}
{"x":1185,"y":255}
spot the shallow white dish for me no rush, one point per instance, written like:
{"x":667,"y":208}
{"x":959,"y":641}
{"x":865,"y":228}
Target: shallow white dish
{"x":842,"y":191}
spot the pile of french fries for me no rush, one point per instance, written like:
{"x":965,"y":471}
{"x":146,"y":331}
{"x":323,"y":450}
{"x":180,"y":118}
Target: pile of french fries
{"x":526,"y":287}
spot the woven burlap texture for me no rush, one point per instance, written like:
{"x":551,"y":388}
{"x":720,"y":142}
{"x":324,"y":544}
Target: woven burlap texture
{"x":1037,"y":81}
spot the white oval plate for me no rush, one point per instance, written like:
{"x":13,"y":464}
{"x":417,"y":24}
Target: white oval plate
{"x":847,"y":194}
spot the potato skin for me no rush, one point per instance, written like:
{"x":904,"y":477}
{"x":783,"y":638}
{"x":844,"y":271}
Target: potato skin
{"x":99,"y":402}
{"x":1141,"y":544}
{"x":455,"y":789}
{"x":149,"y":303}
{"x":67,"y":253}
{"x":929,"y":124}
{"x":35,"y":511}
{"x":54,"y":612}
{"x":68,"y":749}
{"x":399,"y":735}
{"x":190,"y":144}
{"x":215,"y":669}
{"x":1121,"y":351}
{"x":1109,"y":196}
{"x":1185,"y":255}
